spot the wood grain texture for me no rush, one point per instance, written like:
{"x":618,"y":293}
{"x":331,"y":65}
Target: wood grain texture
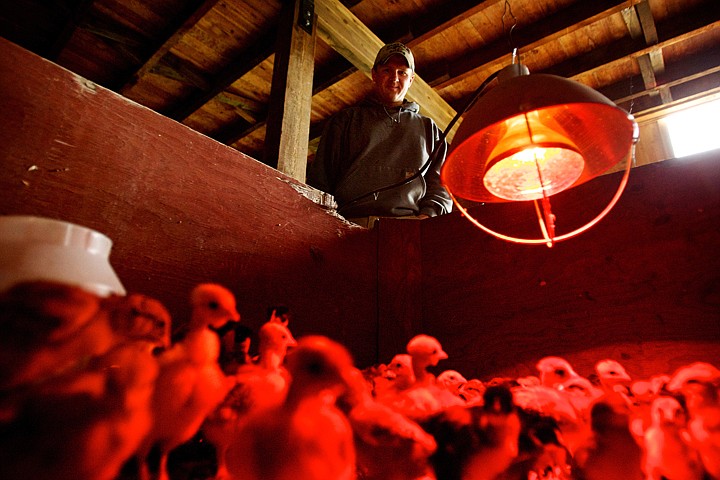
{"x":288,"y":129}
{"x":180,"y":207}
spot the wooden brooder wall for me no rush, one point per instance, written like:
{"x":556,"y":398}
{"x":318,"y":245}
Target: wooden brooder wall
{"x":180,"y":207}
{"x":643,"y":286}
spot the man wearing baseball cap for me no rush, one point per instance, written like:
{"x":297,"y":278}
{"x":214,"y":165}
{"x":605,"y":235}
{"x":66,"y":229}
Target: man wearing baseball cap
{"x":382,"y":158}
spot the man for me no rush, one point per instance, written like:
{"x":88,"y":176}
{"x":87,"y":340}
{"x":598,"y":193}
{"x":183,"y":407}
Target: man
{"x":382,"y":158}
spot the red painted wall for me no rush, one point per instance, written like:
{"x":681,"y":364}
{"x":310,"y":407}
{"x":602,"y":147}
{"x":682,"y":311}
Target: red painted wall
{"x":180,"y":208}
{"x":641,"y":287}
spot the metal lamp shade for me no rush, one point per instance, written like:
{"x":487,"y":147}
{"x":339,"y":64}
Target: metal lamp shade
{"x":532,"y":136}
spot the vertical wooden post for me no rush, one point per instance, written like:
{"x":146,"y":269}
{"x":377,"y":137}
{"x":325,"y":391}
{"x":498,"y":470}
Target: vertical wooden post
{"x":288,"y":126}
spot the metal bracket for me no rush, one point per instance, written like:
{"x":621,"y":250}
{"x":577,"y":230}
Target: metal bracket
{"x":306,"y":15}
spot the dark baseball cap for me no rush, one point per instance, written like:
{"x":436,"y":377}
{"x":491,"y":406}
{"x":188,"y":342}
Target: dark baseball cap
{"x":395,"y":48}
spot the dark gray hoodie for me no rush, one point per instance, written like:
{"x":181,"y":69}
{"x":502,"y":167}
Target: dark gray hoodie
{"x":369,"y":147}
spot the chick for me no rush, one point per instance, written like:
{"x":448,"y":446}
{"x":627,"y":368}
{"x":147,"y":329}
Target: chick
{"x":541,"y":453}
{"x":259,"y":385}
{"x":554,"y":371}
{"x":613,"y":377}
{"x":190,"y":383}
{"x":86,"y":429}
{"x":581,"y":393}
{"x":424,"y":397}
{"x":703,"y":401}
{"x":306,"y":437}
{"x":425,"y":351}
{"x":475,"y":442}
{"x":451,"y":380}
{"x":472,"y":391}
{"x":389,"y":446}
{"x":49,"y":328}
{"x":556,"y":404}
{"x":668,"y":453}
{"x":398,"y":376}
{"x":695,"y":372}
{"x":610,"y":452}
{"x":86,"y":420}
{"x":699,"y":384}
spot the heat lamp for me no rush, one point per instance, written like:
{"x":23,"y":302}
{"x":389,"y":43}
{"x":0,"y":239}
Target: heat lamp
{"x":530,"y":137}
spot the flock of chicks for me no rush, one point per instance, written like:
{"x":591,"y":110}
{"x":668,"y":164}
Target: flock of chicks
{"x":90,"y":385}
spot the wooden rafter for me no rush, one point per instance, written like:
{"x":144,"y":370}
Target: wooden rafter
{"x":173,"y":35}
{"x":261,"y":50}
{"x":497,"y":54}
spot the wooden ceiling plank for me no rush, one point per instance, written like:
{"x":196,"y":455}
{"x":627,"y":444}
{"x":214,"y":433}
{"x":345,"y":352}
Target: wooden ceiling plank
{"x":233,"y":131}
{"x":253,"y":108}
{"x":673,"y":83}
{"x":575,"y":17}
{"x":112,"y":32}
{"x":611,"y":62}
{"x":346,"y":34}
{"x":444,"y":16}
{"x":252,"y":116}
{"x":617,"y":54}
{"x":331,"y":74}
{"x":695,"y":23}
{"x":174,"y":67}
{"x":263,"y":47}
{"x":174,"y":33}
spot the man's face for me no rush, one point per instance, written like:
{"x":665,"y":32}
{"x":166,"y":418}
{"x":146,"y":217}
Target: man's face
{"x":392,"y":80}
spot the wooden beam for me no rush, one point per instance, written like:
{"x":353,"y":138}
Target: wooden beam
{"x":249,"y":109}
{"x":621,"y":53}
{"x":647,"y":71}
{"x":444,"y":16}
{"x":632,"y":22}
{"x":288,"y":126}
{"x":172,"y":66}
{"x":260,"y":50}
{"x":497,"y":55}
{"x":344,"y":32}
{"x":647,"y":22}
{"x":174,"y":34}
{"x":672,"y":83}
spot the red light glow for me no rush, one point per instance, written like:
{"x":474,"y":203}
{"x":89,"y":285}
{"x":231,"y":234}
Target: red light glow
{"x":534,"y":173}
